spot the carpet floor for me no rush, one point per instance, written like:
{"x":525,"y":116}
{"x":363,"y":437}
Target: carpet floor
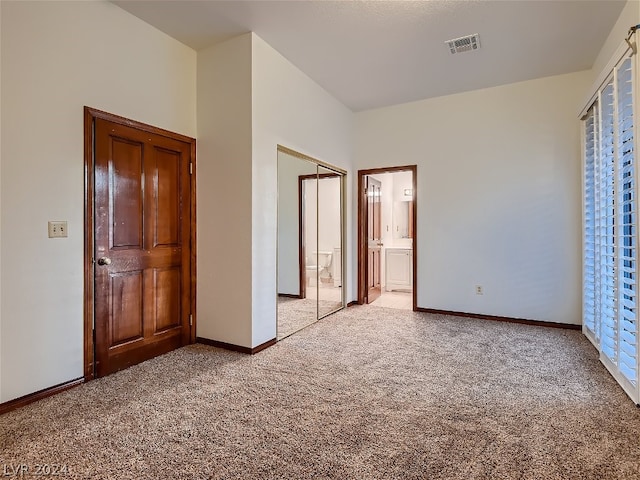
{"x":367,"y":393}
{"x":294,"y":314}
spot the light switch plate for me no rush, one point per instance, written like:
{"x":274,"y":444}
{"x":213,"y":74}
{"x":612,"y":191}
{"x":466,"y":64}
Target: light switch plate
{"x":57,"y":229}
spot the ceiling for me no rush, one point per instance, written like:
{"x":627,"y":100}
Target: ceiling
{"x":370,"y":54}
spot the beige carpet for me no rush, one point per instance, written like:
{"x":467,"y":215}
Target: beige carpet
{"x":294,"y":314}
{"x":368,"y":393}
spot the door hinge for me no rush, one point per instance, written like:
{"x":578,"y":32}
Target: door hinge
{"x":191,"y":320}
{"x":190,"y":168}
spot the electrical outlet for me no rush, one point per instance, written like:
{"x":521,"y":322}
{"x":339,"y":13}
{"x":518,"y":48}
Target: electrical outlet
{"x":479,"y":290}
{"x":57,"y":229}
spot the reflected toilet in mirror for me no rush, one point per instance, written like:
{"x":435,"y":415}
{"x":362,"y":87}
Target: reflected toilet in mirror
{"x":318,"y":266}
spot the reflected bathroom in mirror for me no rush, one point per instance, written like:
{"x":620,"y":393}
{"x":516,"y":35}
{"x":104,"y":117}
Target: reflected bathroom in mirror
{"x":329,"y":242}
{"x":310,"y":241}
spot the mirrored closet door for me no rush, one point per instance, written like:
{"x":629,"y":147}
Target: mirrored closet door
{"x":329,"y":257}
{"x":310,"y":241}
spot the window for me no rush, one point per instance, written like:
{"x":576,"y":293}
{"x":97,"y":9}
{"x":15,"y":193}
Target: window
{"x":610,"y":313}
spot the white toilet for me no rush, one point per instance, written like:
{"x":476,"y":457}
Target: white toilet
{"x":323,"y":268}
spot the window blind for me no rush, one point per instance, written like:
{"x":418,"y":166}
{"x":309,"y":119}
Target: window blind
{"x":606,"y":225}
{"x":627,"y":291}
{"x":591,"y":320}
{"x":610,"y":311}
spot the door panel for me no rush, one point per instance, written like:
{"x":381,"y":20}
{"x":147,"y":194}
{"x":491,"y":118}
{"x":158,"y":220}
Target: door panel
{"x":167,"y":312}
{"x":167,"y":172}
{"x":126,"y":298}
{"x":374,"y":240}
{"x":125,"y":177}
{"x":142,"y":219}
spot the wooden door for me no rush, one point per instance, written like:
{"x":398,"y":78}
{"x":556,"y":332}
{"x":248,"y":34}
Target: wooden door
{"x":374,"y":238}
{"x":142,"y":244}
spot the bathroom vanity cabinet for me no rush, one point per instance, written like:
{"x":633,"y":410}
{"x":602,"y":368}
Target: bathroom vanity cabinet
{"x":399,"y":269}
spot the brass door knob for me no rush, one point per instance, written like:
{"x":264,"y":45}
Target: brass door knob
{"x":104,"y":261}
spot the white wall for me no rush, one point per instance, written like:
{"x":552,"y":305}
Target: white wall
{"x":498,"y":194}
{"x":401,"y":182}
{"x":291,"y":110}
{"x":289,"y":169}
{"x":224,"y":192}
{"x":57,"y":57}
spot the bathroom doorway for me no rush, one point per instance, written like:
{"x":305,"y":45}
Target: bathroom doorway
{"x":310,"y":241}
{"x":387,"y":237}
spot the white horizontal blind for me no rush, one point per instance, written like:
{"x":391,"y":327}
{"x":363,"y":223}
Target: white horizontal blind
{"x":605,"y":237}
{"x":590,"y":283}
{"x":627,"y":327}
{"x":610,"y":291}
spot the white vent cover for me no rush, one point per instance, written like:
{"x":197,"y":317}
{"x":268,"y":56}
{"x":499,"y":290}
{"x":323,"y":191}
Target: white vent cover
{"x":464,"y":44}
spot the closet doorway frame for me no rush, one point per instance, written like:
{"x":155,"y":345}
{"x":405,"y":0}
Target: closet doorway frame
{"x":335,"y":171}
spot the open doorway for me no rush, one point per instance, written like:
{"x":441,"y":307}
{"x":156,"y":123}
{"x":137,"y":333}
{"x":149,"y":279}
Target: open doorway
{"x":387,"y":237}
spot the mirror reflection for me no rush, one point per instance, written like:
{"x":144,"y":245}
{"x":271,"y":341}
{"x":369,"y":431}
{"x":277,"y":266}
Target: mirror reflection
{"x":296,"y":309}
{"x":310,"y":237}
{"x":402,"y":213}
{"x":329,"y":242}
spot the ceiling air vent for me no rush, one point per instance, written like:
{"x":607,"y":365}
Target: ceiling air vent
{"x":464,"y":44}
